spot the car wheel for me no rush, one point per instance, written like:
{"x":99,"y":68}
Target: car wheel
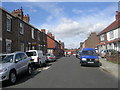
{"x":12,"y":77}
{"x":29,"y":69}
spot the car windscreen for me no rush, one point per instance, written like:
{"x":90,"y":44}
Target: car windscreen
{"x":6,"y":58}
{"x":29,"y":54}
{"x":89,"y":52}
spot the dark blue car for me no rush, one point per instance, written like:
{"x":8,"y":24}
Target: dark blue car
{"x":88,"y":56}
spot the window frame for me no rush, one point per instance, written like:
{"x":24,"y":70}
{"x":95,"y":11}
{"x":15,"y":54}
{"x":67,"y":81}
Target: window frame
{"x":9,"y":24}
{"x":21,"y":27}
{"x":33,"y":32}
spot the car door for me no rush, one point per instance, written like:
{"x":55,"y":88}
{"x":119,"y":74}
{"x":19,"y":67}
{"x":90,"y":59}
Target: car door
{"x":18,"y":62}
{"x":24,"y":61}
{"x":21,"y":62}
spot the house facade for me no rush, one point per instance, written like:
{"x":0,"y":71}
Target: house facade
{"x":109,"y":38}
{"x":90,"y":42}
{"x":18,"y":34}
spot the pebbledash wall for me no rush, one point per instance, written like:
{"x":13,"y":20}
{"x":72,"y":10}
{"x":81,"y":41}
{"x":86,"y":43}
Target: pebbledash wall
{"x":19,"y":35}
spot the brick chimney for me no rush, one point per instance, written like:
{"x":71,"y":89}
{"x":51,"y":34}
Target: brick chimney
{"x":43,"y":30}
{"x":117,"y":15}
{"x":18,"y":13}
{"x":49,"y":34}
{"x":26,"y":18}
{"x":53,"y":36}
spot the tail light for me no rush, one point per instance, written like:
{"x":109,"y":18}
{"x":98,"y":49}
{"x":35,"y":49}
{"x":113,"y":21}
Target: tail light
{"x":50,"y":57}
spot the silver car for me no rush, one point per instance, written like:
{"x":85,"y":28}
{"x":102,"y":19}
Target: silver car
{"x":14,"y":64}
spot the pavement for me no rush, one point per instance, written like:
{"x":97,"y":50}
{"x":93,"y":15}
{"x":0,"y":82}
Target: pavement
{"x":110,"y":67}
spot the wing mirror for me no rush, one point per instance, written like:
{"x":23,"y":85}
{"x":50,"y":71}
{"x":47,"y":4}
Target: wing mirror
{"x":16,"y":60}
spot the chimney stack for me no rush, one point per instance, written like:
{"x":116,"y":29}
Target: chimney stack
{"x":49,"y":34}
{"x":18,"y":13}
{"x":43,"y":30}
{"x":117,"y":15}
{"x":26,"y":18}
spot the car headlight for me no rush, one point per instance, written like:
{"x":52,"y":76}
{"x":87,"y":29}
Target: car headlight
{"x":84,"y":59}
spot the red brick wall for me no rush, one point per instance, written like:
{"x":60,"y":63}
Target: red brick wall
{"x":92,"y":41}
{"x":50,"y":43}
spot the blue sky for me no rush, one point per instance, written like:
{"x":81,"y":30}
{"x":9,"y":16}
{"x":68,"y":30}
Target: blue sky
{"x":70,"y":22}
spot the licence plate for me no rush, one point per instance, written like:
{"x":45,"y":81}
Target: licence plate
{"x":90,"y":62}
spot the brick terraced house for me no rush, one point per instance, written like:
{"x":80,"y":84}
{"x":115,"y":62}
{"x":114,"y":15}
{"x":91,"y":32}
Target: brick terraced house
{"x":17,"y":34}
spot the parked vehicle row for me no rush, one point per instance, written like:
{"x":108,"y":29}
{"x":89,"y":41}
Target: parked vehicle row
{"x":14,"y":64}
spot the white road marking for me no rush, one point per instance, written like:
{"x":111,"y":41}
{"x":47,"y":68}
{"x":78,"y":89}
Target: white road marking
{"x":45,"y":68}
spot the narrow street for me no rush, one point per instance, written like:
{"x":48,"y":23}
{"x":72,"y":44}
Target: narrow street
{"x":66,"y":72}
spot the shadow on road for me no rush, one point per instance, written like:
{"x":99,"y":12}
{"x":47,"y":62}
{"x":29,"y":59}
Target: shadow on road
{"x":24,"y":77}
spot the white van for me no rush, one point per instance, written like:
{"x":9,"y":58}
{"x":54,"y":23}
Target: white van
{"x":37,"y":57}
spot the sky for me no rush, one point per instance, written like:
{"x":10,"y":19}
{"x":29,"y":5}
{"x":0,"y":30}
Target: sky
{"x":70,"y":22}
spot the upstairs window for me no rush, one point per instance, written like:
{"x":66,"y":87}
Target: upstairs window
{"x":38,"y":35}
{"x":111,"y":34}
{"x":33,"y":33}
{"x":102,"y":37}
{"x":21,"y":28}
{"x":9,"y":22}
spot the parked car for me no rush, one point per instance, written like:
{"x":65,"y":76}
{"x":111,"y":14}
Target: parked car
{"x":78,"y":54}
{"x":50,"y":57}
{"x":37,"y":57}
{"x":103,"y":52}
{"x":89,"y":56}
{"x":13,"y":64}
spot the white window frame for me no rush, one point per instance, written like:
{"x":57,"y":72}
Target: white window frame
{"x":9,"y":22}
{"x":111,"y":34}
{"x":102,"y":38}
{"x":21,"y":28}
{"x":8,"y":45}
{"x":33,"y":31}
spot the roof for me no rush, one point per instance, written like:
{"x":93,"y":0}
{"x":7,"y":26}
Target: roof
{"x":112,"y":26}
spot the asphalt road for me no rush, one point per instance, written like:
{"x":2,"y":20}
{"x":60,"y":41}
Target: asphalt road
{"x":66,"y":72}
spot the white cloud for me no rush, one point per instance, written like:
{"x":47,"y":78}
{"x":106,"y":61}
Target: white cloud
{"x":73,"y":31}
{"x":77,"y":11}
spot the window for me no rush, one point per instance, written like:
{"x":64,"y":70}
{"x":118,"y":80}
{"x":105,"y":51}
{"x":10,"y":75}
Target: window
{"x":18,"y":57}
{"x":9,"y":22}
{"x":102,"y":37}
{"x":38,"y":35}
{"x":22,"y":47}
{"x":8,"y":46}
{"x":21,"y":28}
{"x":23,"y":56}
{"x":32,"y":33}
{"x":111,"y":33}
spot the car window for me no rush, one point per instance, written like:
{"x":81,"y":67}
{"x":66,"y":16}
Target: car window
{"x":89,"y":52}
{"x":23,"y":56}
{"x":31,"y":54}
{"x":6,"y":58}
{"x":17,"y":57}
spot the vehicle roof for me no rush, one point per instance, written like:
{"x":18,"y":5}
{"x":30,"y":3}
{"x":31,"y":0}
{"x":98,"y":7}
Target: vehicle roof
{"x":88,"y":49}
{"x":33,"y":50}
{"x":11,"y":53}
